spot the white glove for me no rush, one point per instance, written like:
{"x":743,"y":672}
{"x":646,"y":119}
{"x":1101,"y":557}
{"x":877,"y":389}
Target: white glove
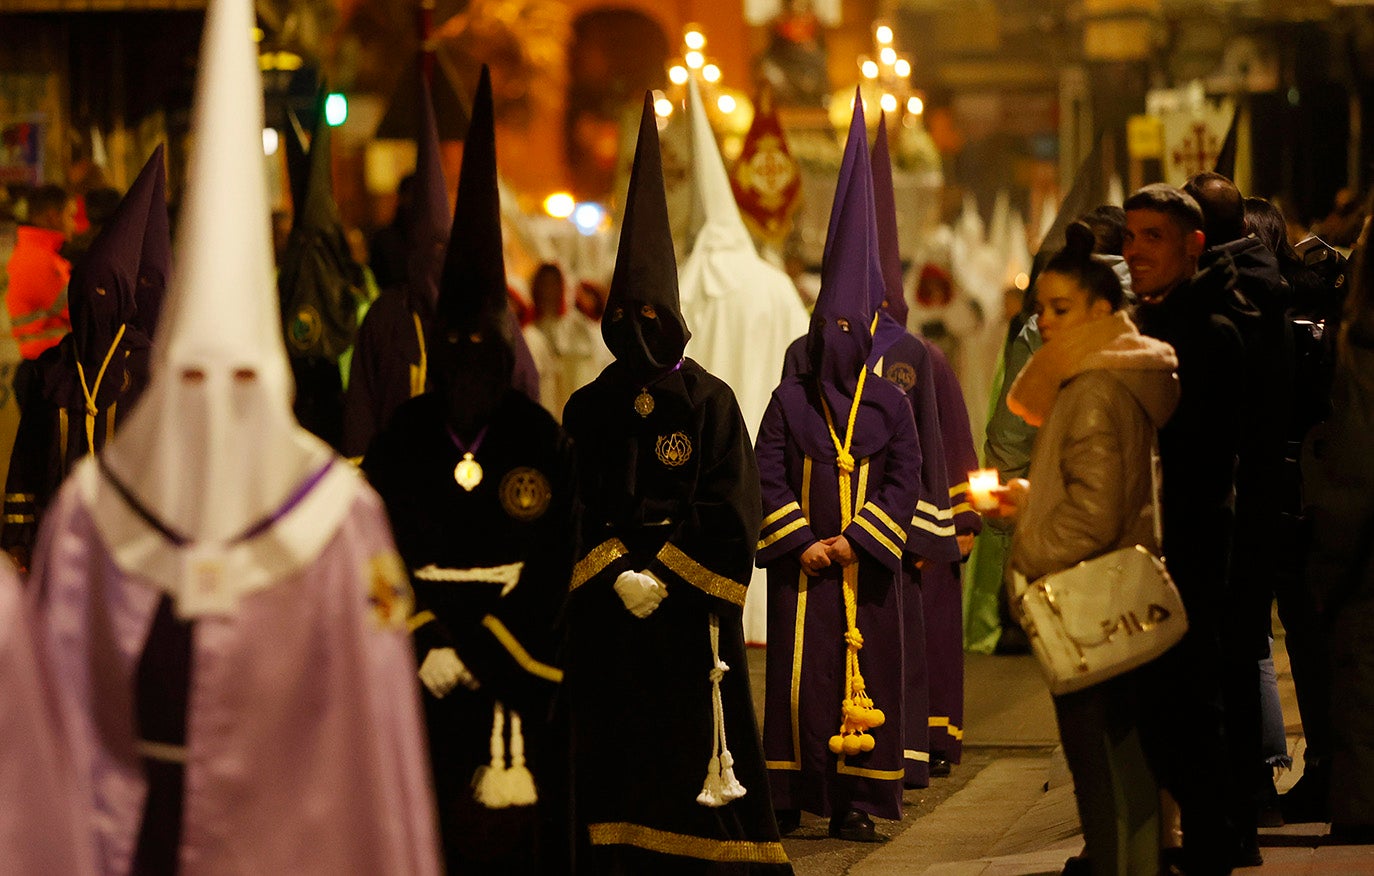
{"x":640,"y":592}
{"x":442,"y":670}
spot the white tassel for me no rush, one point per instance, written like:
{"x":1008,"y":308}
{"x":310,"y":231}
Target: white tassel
{"x":488,"y":783}
{"x":720,"y":786}
{"x":520,"y":781}
{"x":497,"y":786}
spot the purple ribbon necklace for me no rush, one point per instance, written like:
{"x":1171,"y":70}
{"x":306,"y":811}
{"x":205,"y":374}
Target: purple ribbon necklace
{"x":468,"y":472}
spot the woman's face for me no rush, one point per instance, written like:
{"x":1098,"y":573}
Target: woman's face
{"x":1063,"y":304}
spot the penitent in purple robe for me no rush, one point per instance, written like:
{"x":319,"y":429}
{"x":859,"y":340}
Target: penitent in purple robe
{"x":941,"y":582}
{"x":806,"y":618}
{"x":40,"y":812}
{"x":303,"y":749}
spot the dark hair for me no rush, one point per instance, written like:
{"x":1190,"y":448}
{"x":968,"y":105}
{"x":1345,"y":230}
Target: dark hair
{"x":101,"y":204}
{"x":1076,"y":261}
{"x":1108,"y":225}
{"x":1223,"y":208}
{"x":1164,"y":198}
{"x":45,"y":198}
{"x":1265,"y":220}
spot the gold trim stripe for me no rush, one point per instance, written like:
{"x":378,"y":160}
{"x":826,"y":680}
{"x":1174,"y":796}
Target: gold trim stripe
{"x":954,"y":732}
{"x":700,"y":847}
{"x":922,"y":523}
{"x":937,"y":513}
{"x":961,"y":508}
{"x":955,"y":490}
{"x":782,"y":533}
{"x":20,"y":518}
{"x":512,"y":644}
{"x":21,"y":497}
{"x":881,"y":539}
{"x":918,"y":756}
{"x":779,"y":514}
{"x":845,"y":769}
{"x":882,"y":517}
{"x":700,"y":577}
{"x":597,"y":559}
{"x":419,"y":620}
{"x":355,"y":461}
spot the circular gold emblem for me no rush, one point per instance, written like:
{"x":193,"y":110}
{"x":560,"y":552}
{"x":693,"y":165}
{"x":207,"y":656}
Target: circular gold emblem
{"x":674,"y":450}
{"x":525,"y":493}
{"x":644,"y":403}
{"x":305,"y":329}
{"x":901,"y":374}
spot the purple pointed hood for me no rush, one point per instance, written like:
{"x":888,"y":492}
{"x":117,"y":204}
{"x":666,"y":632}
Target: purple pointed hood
{"x":156,"y":261}
{"x":428,"y":220}
{"x":885,"y":204}
{"x":839,"y":342}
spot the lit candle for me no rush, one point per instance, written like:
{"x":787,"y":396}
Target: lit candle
{"x":983,"y":487}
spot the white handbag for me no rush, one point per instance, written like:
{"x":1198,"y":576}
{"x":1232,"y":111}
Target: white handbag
{"x":1103,"y":616}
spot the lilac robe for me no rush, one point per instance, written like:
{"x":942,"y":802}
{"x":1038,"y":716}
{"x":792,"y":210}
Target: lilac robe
{"x":806,"y":620}
{"x":941,"y":582}
{"x":305,"y":749}
{"x":40,"y":812}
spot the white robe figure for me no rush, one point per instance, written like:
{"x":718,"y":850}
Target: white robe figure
{"x":742,"y":310}
{"x":218,"y":599}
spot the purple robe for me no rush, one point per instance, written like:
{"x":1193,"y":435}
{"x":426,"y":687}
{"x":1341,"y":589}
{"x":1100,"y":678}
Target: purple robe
{"x":40,"y":813}
{"x":941,"y":584}
{"x":304,"y":746}
{"x":806,"y":620}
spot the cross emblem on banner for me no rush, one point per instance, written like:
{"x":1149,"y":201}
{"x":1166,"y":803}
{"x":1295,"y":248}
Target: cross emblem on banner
{"x":1198,"y":150}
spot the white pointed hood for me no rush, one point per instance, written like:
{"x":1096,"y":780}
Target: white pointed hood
{"x":716,"y":222}
{"x":743,"y":310}
{"x":213,"y":450}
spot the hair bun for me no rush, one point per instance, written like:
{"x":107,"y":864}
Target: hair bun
{"x":1079,"y":240}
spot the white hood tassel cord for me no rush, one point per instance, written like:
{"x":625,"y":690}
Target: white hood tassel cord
{"x":497,"y":786}
{"x":720,"y":786}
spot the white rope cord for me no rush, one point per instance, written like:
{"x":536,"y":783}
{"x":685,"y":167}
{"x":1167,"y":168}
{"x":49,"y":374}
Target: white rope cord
{"x":507,"y":576}
{"x":720,"y":786}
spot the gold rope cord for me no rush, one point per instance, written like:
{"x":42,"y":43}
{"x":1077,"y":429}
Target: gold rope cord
{"x":858,"y":715}
{"x":90,"y":391}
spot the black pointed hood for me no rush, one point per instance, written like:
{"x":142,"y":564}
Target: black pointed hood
{"x":427,"y":221}
{"x":297,"y":159}
{"x":102,"y":301}
{"x":403,"y":118}
{"x":156,"y":262}
{"x":319,"y":282}
{"x":472,"y":348}
{"x":643,"y":324}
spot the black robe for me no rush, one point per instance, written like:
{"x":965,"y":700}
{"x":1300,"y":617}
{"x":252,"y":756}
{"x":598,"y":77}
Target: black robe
{"x":503,"y":633}
{"x":675,"y":494}
{"x":52,"y":429}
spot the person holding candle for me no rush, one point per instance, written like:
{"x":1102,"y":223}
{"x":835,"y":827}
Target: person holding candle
{"x":1098,"y":391}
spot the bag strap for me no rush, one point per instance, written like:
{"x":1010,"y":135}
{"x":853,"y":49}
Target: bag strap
{"x":1154,"y":495}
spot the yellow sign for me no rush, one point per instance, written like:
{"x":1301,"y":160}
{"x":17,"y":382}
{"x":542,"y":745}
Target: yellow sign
{"x":1145,"y":137}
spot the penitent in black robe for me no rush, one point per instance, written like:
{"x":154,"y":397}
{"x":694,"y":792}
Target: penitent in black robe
{"x":500,"y":622}
{"x":675,"y":494}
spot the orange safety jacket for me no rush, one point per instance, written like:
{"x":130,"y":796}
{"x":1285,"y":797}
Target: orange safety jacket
{"x":37,"y":294}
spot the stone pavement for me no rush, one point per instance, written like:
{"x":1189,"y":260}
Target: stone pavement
{"x":994,"y":816}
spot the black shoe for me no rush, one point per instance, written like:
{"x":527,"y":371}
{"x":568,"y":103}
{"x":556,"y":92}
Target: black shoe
{"x":788,"y":820}
{"x":855,"y":827}
{"x":1352,"y":834}
{"x":1078,"y":865}
{"x":939,"y":766}
{"x":1307,"y":801}
{"x":1248,"y":855}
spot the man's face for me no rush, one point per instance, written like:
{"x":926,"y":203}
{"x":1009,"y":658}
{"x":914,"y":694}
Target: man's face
{"x":1159,"y":253}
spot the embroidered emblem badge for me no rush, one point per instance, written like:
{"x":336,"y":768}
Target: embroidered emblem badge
{"x":305,"y":329}
{"x":389,"y":590}
{"x":674,"y":450}
{"x":525,"y":493}
{"x":901,"y":374}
